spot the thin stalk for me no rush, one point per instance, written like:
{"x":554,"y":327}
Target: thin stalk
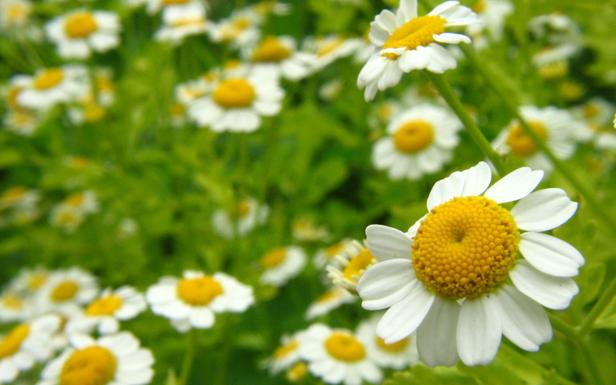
{"x":454,"y":102}
{"x":598,"y":308}
{"x":189,"y":357}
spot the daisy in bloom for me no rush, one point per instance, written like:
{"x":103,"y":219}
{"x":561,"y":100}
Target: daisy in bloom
{"x":280,"y":54}
{"x":14,"y":13}
{"x":338,"y":356}
{"x":420,"y":141}
{"x":18,"y":196}
{"x":239,"y":100}
{"x":114,"y":359}
{"x":282,"y":264}
{"x":456,"y":276}
{"x":25,"y":345}
{"x":306,"y":230}
{"x":492,"y":14}
{"x":330,"y":300}
{"x":105,"y":312}
{"x":66,"y":217}
{"x":243,"y":218}
{"x":328,"y":49}
{"x":84,"y":201}
{"x":558,"y":129}
{"x":398,"y":355}
{"x":241,"y":29}
{"x":80,"y":32}
{"x":172,"y":6}
{"x":13,"y":307}
{"x":287,"y":354}
{"x":324,"y":256}
{"x":179,"y":22}
{"x":350,"y":264}
{"x":410,"y":42}
{"x":65,"y":290}
{"x":29,"y":281}
{"x":192,"y":301}
{"x":21,"y":122}
{"x":51,"y":86}
{"x":598,"y":114}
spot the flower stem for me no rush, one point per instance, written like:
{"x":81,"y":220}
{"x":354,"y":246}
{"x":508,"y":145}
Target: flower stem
{"x":189,"y":357}
{"x":471,"y":127}
{"x":598,"y":308}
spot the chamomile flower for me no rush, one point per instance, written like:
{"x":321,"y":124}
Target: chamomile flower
{"x":18,"y":196}
{"x":338,"y":356}
{"x":243,"y":218}
{"x":349,"y":265}
{"x":239,"y":100}
{"x":280,"y":54}
{"x":25,"y":345}
{"x":306,"y":230}
{"x":398,"y":355}
{"x":13,"y":307}
{"x":171,"y":6}
{"x":182,"y":22}
{"x":66,"y":290}
{"x":192,"y":301}
{"x":492,"y":14}
{"x":456,"y":278}
{"x":84,"y":201}
{"x":80,"y":32}
{"x":328,"y":49}
{"x":107,"y":310}
{"x":597,"y":112}
{"x":558,"y":129}
{"x":66,"y":217}
{"x":410,"y":42}
{"x":241,"y":29}
{"x":420,"y":141}
{"x":21,"y":122}
{"x":29,"y":281}
{"x":113,"y":359}
{"x":287,"y":353}
{"x":328,"y":301}
{"x":327,"y":255}
{"x":52,"y":86}
{"x":14,"y":13}
{"x":282,"y":264}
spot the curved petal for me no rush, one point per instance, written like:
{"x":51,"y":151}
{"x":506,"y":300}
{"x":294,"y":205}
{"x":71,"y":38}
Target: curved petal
{"x":436,"y":336}
{"x":452,"y":38}
{"x":551,"y":255}
{"x":479,"y":331}
{"x":552,"y":292}
{"x":515,"y":185}
{"x":385,"y":283}
{"x":473,"y":181}
{"x":388,"y":243}
{"x":543,"y":210}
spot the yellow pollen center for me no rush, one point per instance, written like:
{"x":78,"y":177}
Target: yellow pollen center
{"x":103,"y":306}
{"x":75,"y":200}
{"x":17,"y":13}
{"x":287,"y":349}
{"x":274,"y":258}
{"x":11,"y":343}
{"x":13,"y":195}
{"x":271,"y":49}
{"x":327,"y":296}
{"x":188,"y":22}
{"x":396,"y":347}
{"x":334,"y":250}
{"x":48,"y":79}
{"x":12,"y":301}
{"x":198,"y":291}
{"x":520,"y":142}
{"x":413,"y":136}
{"x":465,"y":247}
{"x":416,"y":32}
{"x":177,"y":109}
{"x":234,"y":93}
{"x":11,"y":97}
{"x":297,"y":372}
{"x":480,"y":6}
{"x":356,"y":266}
{"x":80,"y":25}
{"x":68,"y":218}
{"x":344,"y":347}
{"x":591,"y":111}
{"x":36,"y":281}
{"x":64,"y":291}
{"x":93,"y":112}
{"x":93,"y":365}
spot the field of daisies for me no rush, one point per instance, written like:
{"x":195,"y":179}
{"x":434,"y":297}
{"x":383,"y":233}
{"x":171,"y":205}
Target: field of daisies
{"x":220,"y":192}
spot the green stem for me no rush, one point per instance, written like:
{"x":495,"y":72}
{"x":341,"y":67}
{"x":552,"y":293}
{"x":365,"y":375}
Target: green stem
{"x":189,"y":357}
{"x":598,"y":308}
{"x":471,"y":127}
{"x":559,"y":165}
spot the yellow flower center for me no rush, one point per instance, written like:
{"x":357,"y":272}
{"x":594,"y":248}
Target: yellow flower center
{"x":591,"y":110}
{"x":93,"y":365}
{"x":93,"y":112}
{"x":13,"y":195}
{"x":188,"y":21}
{"x":80,"y":25}
{"x":103,"y":306}
{"x":64,"y":291}
{"x":198,"y":291}
{"x":104,"y":84}
{"x":11,"y":343}
{"x":520,"y":142}
{"x":327,"y":296}
{"x":271,"y":49}
{"x":334,"y":250}
{"x":554,"y":70}
{"x":356,"y":266}
{"x":12,"y":301}
{"x":297,"y":372}
{"x":48,"y":79}
{"x":241,"y":210}
{"x":396,"y":347}
{"x":75,"y":200}
{"x":416,"y":32}
{"x":329,"y":46}
{"x":17,"y":13}
{"x":413,"y":136}
{"x":287,"y":349}
{"x":11,"y":97}
{"x":175,"y":2}
{"x":274,"y":258}
{"x":234,"y":93}
{"x":465,"y":247}
{"x":68,"y":218}
{"x":480,"y":6}
{"x":36,"y":281}
{"x":177,"y":109}
{"x":344,"y":347}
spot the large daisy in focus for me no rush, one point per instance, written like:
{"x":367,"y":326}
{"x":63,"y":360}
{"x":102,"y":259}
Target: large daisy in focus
{"x":420,"y":141}
{"x":472,"y":270}
{"x":410,"y":42}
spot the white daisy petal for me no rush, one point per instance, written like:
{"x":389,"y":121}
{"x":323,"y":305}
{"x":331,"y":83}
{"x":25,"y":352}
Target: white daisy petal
{"x":479,"y":331}
{"x":543,"y":210}
{"x":550,"y":255}
{"x":387,"y":243}
{"x":552,"y":292}
{"x":452,"y":38}
{"x":515,"y":185}
{"x":385,"y":283}
{"x":436,"y":336}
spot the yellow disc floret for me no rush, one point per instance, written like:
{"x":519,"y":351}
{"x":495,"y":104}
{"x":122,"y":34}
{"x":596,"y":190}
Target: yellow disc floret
{"x":270,"y":50}
{"x":93,"y":365}
{"x":344,"y":346}
{"x":11,"y":343}
{"x":520,"y":142}
{"x":199,"y":291}
{"x":48,"y":79}
{"x":105,"y":306}
{"x":358,"y":264}
{"x":80,"y":25}
{"x":465,"y":247}
{"x":273,"y":258}
{"x":396,"y":347}
{"x":234,"y":93}
{"x":64,"y":291}
{"x":413,"y":136}
{"x":286,"y":349}
{"x":416,"y":32}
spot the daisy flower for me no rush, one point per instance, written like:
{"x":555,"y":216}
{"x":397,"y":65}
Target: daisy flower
{"x":18,"y":196}
{"x":306,"y":230}
{"x":330,"y":300}
{"x":328,"y":49}
{"x":338,"y":356}
{"x":51,"y":86}
{"x":349,"y":265}
{"x":398,"y":355}
{"x":181,"y":22}
{"x":558,"y":128}
{"x":84,"y":201}
{"x":21,"y":122}
{"x":287,"y":354}
{"x":192,"y":301}
{"x":326,"y":255}
{"x":282,"y":264}
{"x":66,"y":217}
{"x":420,"y":141}
{"x":492,"y":15}
{"x":13,"y":307}
{"x":29,"y":281}
{"x":280,"y":54}
{"x":114,"y":359}
{"x":25,"y":345}
{"x":239,"y":100}
{"x":456,"y":278}
{"x":14,"y":13}
{"x":65,"y":290}
{"x":241,"y":29}
{"x":410,"y":42}
{"x":106,"y":312}
{"x":245,"y":216}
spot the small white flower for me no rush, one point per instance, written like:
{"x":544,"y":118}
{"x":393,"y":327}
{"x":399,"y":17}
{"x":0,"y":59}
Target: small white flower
{"x":52,"y":86}
{"x":282,"y":264}
{"x":330,"y":300}
{"x":327,"y":49}
{"x":246,"y":215}
{"x":241,"y":29}
{"x":181,"y":22}
{"x":324,"y":256}
{"x":13,"y":307}
{"x":18,"y":196}
{"x":492,"y":14}
{"x":280,"y":54}
{"x":349,"y":265}
{"x":29,"y":281}
{"x":14,"y":13}
{"x":399,"y":355}
{"x":65,"y":291}
{"x":287,"y":354}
